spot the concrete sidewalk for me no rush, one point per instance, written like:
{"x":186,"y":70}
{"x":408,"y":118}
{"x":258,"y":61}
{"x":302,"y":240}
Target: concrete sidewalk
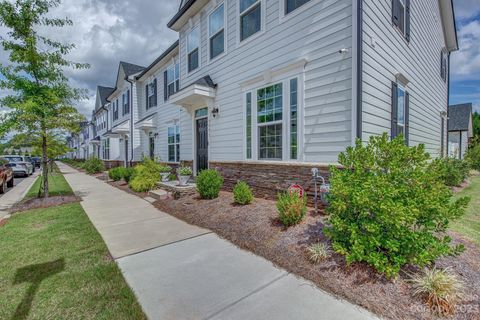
{"x":180,"y":271}
{"x":16,"y":194}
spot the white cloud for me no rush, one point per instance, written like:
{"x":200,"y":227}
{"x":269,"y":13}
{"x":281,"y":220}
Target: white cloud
{"x":466,"y":61}
{"x":466,"y":9}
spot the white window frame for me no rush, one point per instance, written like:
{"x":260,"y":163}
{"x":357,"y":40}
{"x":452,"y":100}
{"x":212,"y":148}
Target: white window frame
{"x":286,"y":130}
{"x":176,"y":144}
{"x":125,"y":101}
{"x":262,"y":22}
{"x":283,"y":16}
{"x":224,"y":29}
{"x":196,"y":27}
{"x":402,"y":88}
{"x":176,"y":76}
{"x":151,"y":94}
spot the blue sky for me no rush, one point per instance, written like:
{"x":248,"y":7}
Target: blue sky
{"x":465,"y":63}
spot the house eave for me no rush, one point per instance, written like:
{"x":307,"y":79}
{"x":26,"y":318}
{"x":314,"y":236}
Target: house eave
{"x":447,"y":13}
{"x":186,"y":12}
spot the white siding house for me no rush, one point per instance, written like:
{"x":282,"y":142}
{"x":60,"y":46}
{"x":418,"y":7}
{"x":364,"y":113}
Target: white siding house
{"x":460,"y":129}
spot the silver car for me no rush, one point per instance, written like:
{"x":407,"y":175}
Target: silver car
{"x":21,"y":165}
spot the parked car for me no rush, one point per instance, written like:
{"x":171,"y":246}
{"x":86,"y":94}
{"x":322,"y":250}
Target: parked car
{"x":37,"y":161}
{"x":21,"y":165}
{"x":6,"y":175}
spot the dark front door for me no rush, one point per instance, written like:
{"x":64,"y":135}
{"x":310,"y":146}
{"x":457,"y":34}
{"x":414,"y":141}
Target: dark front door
{"x":202,"y":144}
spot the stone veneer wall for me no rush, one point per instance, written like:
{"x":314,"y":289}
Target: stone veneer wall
{"x":268,"y":179}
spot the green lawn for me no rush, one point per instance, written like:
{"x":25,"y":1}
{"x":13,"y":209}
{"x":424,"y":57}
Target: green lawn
{"x":55,"y":265}
{"x":58,"y":186}
{"x":469,"y":225}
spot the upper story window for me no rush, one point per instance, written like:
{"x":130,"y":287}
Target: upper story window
{"x":115,"y":110}
{"x":126,"y":103}
{"x":171,"y":83}
{"x":216,"y":32}
{"x":401,"y":16}
{"x":400,"y":111}
{"x":444,"y":65}
{"x":151,"y":94}
{"x":291,"y":5}
{"x":193,"y":43}
{"x":250,"y":18}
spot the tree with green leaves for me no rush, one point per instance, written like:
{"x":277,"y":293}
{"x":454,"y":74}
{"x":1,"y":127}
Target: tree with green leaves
{"x":476,"y":124}
{"x":42,"y":99}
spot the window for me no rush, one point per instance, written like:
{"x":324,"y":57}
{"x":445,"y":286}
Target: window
{"x":401,"y":16}
{"x":249,"y":125}
{"x":115,"y":110}
{"x":444,"y":65}
{"x":151,"y":94}
{"x":151,"y":147}
{"x":293,"y":118}
{"x":216,"y":31}
{"x":400,"y":111}
{"x":250,"y":18}
{"x":193,"y":41}
{"x":106,"y":148}
{"x":126,"y":103}
{"x":269,"y":119}
{"x":173,"y":76}
{"x":291,"y":5}
{"x":174,"y":143}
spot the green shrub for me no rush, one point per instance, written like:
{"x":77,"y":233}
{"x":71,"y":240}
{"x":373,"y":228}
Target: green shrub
{"x":242,"y":193}
{"x":128,"y":174}
{"x":451,"y":171}
{"x":185,"y":171}
{"x":165,"y":169}
{"x":388,"y":206}
{"x":318,"y":252}
{"x":116,"y":174}
{"x":93,"y":165}
{"x":172,"y":177}
{"x":209,"y":183}
{"x":473,"y":156}
{"x":291,"y":208}
{"x":145,"y":177}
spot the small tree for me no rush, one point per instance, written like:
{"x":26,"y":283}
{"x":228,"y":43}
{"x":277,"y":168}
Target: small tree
{"x":42,"y":99}
{"x":388,"y":206}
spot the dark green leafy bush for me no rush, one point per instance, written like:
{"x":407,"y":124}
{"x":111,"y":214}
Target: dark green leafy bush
{"x":93,"y":165}
{"x":291,"y":208}
{"x":242,"y":193}
{"x":209,"y":183}
{"x":116,"y":174}
{"x":128,"y":174}
{"x":144,"y":176}
{"x":388,"y":206}
{"x":451,"y":171}
{"x":473,"y":155}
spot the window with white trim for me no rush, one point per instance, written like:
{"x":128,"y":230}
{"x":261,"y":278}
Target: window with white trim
{"x":291,"y":5}
{"x":216,"y":29}
{"x":193,"y":52}
{"x":248,"y":124}
{"x":173,"y":79}
{"x":126,"y":102}
{"x":151,"y":94}
{"x":401,"y":16}
{"x":106,"y":148}
{"x":444,"y":65}
{"x":173,"y":141}
{"x":250,"y":18}
{"x":400,"y":111}
{"x":115,"y":110}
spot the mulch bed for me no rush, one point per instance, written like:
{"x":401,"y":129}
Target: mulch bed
{"x":255,"y":228}
{"x":38,"y":203}
{"x":122,"y":185}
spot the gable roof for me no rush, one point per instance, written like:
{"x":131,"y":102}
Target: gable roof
{"x":186,"y":6}
{"x":104,"y":93}
{"x":160,"y":58}
{"x":130,"y":68}
{"x":459,"y":117}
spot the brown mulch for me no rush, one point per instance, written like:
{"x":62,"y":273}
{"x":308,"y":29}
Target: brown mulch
{"x":38,"y":203}
{"x":255,"y":228}
{"x":122,"y":185}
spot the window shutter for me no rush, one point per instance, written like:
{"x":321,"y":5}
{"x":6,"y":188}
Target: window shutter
{"x":128,"y":101}
{"x":146,"y":97}
{"x":395,"y":12}
{"x":407,"y":117}
{"x":394,"y":110}
{"x":155,"y":92}
{"x":407,"y":20}
{"x":165,"y":92}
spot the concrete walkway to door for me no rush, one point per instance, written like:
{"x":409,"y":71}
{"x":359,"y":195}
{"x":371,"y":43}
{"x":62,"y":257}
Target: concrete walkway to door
{"x":180,"y":271}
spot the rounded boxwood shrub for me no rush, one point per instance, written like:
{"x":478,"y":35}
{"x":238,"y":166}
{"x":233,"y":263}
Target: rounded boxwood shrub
{"x":389,"y":206}
{"x":242,"y":194}
{"x":145,"y":176}
{"x":451,"y":171}
{"x":291,"y":208}
{"x":128,"y":173}
{"x":209,"y":182}
{"x":93,"y":165}
{"x":116,"y":174}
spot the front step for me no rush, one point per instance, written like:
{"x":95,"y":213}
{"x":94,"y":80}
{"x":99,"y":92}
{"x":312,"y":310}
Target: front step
{"x":158,"y":194}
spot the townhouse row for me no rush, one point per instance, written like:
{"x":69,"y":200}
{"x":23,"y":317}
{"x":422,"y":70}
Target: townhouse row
{"x":264,"y":90}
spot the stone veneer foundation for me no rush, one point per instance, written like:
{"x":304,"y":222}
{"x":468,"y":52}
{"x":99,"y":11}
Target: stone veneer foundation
{"x":267,"y":179}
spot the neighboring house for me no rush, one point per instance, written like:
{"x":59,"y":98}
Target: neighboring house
{"x":265,"y":90}
{"x":124,"y":113}
{"x":460,"y":129}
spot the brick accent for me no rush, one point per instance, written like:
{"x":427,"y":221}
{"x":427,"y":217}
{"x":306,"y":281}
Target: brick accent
{"x":109,"y":164}
{"x":268,"y":179}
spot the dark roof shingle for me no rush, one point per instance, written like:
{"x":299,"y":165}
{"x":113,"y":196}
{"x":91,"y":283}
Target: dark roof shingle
{"x":104,"y":93}
{"x":459,"y":117}
{"x":130,"y":68}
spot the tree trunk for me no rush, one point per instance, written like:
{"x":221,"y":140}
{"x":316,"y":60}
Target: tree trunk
{"x":45,"y":166}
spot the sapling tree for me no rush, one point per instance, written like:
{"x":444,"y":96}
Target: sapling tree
{"x":41,"y":102}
